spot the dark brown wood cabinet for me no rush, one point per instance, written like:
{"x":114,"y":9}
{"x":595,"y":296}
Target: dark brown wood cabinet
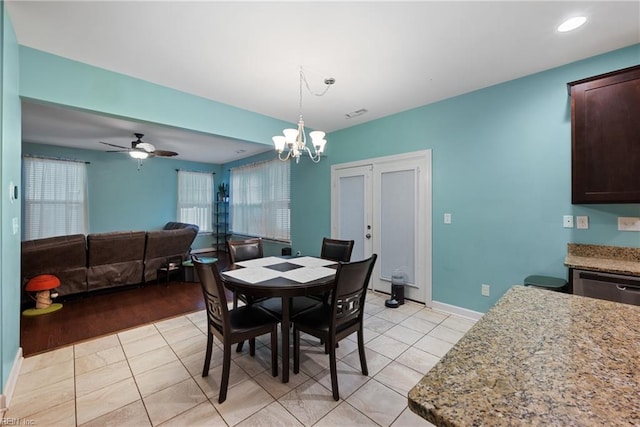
{"x":605,"y":138}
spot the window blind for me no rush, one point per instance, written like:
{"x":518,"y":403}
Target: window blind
{"x":195,"y":199}
{"x":260,"y":199}
{"x":55,"y":198}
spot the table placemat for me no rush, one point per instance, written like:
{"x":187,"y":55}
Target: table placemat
{"x":254,"y":274}
{"x":308,"y":274}
{"x":309,"y":261}
{"x":260,"y":262}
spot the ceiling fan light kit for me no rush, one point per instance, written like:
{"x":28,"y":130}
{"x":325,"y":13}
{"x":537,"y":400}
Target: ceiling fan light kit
{"x":138,"y":154}
{"x":295,"y":140}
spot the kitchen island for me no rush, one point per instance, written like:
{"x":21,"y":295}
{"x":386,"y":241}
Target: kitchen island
{"x":539,"y":358}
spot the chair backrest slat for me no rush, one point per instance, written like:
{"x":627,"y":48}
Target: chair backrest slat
{"x":242,"y":250}
{"x":348,"y":307}
{"x":214,"y":296}
{"x":350,"y":290}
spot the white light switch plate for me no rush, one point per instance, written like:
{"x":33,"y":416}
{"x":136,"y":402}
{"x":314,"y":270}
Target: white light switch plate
{"x":447,"y":218}
{"x":628,"y":223}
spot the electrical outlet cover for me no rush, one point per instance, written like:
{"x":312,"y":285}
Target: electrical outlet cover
{"x":567,"y":221}
{"x":582,"y":222}
{"x":485,"y":290}
{"x":628,"y":223}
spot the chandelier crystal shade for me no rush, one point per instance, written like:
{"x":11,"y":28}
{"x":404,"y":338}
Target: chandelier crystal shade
{"x":293,"y":143}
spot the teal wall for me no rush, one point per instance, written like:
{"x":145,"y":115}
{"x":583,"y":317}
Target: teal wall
{"x":311,"y":202}
{"x":501,"y":167}
{"x":49,"y":78}
{"x":9,"y":172}
{"x":121,"y":197}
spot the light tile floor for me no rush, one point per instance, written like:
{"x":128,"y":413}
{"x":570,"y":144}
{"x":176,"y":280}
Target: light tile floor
{"x":151,"y":376}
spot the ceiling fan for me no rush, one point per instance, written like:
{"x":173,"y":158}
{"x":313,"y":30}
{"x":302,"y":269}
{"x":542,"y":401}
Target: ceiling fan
{"x":139,"y":149}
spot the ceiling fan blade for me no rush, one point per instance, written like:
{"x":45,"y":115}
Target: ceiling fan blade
{"x":164,"y":153}
{"x":117,"y":151}
{"x":113,"y":145}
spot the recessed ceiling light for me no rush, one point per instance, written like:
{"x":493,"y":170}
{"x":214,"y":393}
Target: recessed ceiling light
{"x":572,"y":24}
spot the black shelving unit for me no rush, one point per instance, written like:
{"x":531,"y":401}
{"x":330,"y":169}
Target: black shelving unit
{"x":221,"y":225}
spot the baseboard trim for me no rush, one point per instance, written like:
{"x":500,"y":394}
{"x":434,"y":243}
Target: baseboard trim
{"x":10,"y":386}
{"x":458,"y":311}
{"x":444,"y":308}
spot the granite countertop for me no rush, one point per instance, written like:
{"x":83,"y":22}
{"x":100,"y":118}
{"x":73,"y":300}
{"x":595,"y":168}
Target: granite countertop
{"x":539,"y":358}
{"x":608,"y":259}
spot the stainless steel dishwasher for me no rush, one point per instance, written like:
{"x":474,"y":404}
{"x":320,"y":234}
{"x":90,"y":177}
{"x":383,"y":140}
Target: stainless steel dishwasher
{"x":612,"y":287}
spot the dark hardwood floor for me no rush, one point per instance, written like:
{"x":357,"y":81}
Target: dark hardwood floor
{"x":95,"y":315}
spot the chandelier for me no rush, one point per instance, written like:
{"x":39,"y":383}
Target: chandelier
{"x":294,"y":142}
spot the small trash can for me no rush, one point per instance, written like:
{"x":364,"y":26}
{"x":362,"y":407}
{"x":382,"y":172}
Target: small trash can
{"x":546,"y":282}
{"x":398,"y":280}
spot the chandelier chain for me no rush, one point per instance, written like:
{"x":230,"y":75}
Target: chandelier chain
{"x":304,"y":78}
{"x":295,"y":140}
{"x":301,"y":79}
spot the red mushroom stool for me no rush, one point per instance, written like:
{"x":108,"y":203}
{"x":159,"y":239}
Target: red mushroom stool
{"x":43,"y":286}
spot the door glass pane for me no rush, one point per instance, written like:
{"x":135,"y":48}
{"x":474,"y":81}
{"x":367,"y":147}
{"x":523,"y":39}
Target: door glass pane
{"x":397,"y":223}
{"x":351,"y":217}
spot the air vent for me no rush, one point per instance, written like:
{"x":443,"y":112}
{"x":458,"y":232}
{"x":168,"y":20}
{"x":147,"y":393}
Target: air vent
{"x":356,"y":113}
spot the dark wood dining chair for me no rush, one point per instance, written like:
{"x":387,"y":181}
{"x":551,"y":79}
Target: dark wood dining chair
{"x":336,"y":250}
{"x":339,"y":319}
{"x":243,"y":250}
{"x":232,"y":326}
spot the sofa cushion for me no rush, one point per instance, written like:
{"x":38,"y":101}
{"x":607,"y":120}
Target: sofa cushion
{"x":115,"y":259}
{"x":166,"y":245}
{"x":171,"y":225}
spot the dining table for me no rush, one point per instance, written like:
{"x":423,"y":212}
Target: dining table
{"x":281,"y":277}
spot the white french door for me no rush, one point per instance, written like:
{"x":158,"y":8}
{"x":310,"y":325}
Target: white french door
{"x":351,"y":209}
{"x":384,"y":205}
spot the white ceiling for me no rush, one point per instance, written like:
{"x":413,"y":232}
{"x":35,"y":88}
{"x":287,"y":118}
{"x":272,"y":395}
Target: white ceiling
{"x":386,"y":57}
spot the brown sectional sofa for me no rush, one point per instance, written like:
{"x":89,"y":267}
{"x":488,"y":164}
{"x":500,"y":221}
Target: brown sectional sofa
{"x":105,"y":260}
